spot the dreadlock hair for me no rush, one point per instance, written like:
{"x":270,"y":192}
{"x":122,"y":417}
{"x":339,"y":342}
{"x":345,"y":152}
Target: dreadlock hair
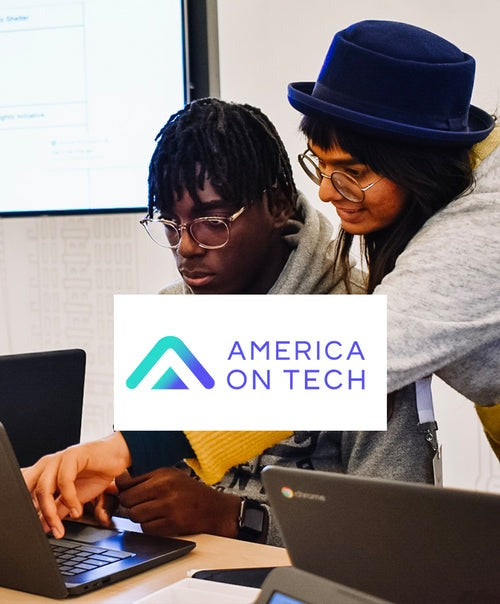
{"x":234,"y":145}
{"x":432,"y":177}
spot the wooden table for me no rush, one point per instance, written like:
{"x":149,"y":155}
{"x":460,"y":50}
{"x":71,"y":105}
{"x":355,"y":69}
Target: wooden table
{"x":210,"y":552}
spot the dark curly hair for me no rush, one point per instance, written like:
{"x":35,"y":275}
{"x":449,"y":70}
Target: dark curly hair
{"x":235,"y":145}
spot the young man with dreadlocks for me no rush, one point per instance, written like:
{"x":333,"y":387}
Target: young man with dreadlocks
{"x":222,"y":197}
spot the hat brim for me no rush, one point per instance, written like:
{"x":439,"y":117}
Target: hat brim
{"x":301,"y":98}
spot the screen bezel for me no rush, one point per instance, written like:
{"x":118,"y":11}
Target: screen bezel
{"x":201,"y":79}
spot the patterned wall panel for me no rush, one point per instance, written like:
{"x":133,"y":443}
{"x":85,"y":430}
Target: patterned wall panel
{"x":58,"y":276}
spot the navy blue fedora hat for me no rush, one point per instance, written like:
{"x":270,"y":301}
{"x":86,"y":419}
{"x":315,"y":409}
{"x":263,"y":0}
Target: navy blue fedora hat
{"x":398,"y":81}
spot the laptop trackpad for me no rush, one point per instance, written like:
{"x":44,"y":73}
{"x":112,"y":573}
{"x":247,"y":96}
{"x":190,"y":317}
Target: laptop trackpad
{"x":88,"y":534}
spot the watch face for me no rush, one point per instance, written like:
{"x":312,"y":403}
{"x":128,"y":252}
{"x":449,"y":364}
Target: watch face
{"x":254,"y":519}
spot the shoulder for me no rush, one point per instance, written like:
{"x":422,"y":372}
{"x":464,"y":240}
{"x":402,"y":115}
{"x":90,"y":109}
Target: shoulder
{"x":469,"y":222}
{"x":476,"y":209}
{"x":175,"y":288}
{"x":486,"y":147}
{"x":311,"y":217}
{"x":457,"y":250}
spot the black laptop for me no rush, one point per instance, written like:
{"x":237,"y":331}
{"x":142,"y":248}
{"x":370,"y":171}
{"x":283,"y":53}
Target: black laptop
{"x":41,"y":401}
{"x":86,"y":558}
{"x":404,"y":542}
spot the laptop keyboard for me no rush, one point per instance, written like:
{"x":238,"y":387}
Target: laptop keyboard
{"x":74,"y":558}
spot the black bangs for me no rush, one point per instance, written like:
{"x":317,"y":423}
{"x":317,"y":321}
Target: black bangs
{"x":431,"y":176}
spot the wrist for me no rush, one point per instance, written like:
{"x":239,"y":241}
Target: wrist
{"x":117,"y":452}
{"x":228,"y":506}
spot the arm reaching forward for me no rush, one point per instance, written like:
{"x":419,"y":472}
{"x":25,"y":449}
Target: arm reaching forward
{"x":62,"y":482}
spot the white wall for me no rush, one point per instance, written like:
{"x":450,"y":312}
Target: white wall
{"x":58,"y":274}
{"x":265,"y":44}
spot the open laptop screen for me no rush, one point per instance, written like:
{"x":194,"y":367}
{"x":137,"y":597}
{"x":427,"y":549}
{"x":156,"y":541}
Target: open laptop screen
{"x":41,"y":401}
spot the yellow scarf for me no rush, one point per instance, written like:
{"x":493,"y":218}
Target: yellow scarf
{"x":485,"y":147}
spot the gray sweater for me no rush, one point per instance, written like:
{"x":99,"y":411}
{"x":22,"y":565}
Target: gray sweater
{"x":310,"y":266}
{"x":446,"y":319}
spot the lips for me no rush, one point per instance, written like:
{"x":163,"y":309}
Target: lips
{"x":349,"y":214}
{"x":197,"y":278}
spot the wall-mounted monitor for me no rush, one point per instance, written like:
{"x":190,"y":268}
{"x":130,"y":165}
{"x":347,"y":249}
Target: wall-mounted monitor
{"x":85,"y":85}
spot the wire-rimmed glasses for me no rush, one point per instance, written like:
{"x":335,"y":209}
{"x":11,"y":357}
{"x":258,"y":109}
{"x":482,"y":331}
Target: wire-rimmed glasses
{"x":345,"y":184}
{"x":209,"y":232}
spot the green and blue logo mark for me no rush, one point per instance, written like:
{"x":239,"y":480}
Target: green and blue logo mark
{"x":170,"y":380}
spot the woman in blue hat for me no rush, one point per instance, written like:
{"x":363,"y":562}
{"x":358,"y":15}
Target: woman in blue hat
{"x":392,"y":142}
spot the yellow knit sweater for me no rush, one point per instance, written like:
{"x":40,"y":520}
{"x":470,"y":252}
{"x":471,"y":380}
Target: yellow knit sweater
{"x":216,"y":452}
{"x":490,"y":418}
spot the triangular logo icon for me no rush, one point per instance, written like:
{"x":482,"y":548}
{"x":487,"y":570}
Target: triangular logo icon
{"x":170,"y":380}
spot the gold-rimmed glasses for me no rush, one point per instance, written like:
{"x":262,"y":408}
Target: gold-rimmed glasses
{"x":344,"y":183}
{"x":209,"y":232}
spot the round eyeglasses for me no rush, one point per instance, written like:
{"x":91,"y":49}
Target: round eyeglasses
{"x":343,"y":183}
{"x":209,"y":232}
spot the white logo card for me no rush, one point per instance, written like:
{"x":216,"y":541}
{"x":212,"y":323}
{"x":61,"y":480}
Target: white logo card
{"x":227,"y":362}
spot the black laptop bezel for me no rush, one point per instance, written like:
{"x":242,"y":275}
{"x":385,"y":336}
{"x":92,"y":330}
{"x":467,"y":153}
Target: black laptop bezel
{"x":28,"y":563}
{"x":41,"y":401}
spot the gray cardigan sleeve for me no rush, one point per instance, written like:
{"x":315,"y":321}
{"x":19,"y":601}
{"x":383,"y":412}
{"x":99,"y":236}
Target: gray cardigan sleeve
{"x":444,"y":296}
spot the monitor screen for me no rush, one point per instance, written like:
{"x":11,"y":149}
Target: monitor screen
{"x":281,"y":598}
{"x":85,"y":87}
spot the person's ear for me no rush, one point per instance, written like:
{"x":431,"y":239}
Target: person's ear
{"x":280,"y":207}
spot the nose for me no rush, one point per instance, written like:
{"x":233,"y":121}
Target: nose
{"x":327,"y":192}
{"x":188,"y":247}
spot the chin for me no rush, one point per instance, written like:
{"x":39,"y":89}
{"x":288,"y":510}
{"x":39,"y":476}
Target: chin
{"x":359,"y":229}
{"x":212,"y":289}
{"x":200,"y":291}
{"x":354,"y":229}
